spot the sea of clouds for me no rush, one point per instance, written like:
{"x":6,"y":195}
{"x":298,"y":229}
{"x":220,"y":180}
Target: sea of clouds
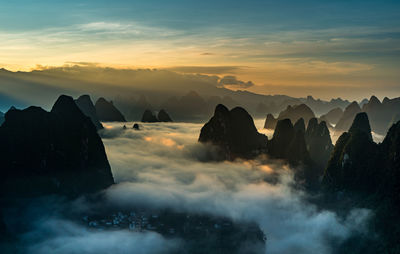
{"x":162,"y":166}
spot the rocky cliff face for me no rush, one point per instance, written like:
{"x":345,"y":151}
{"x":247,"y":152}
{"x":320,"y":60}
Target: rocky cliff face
{"x":85,"y":104}
{"x":107,"y":112}
{"x":57,"y":152}
{"x":234,"y":132}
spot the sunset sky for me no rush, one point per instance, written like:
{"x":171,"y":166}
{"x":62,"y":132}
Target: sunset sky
{"x":291,"y":47}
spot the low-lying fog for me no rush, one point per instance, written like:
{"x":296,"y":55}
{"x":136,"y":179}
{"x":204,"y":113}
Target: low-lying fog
{"x":163,"y":166}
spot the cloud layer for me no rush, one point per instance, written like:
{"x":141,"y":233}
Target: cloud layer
{"x":163,"y":166}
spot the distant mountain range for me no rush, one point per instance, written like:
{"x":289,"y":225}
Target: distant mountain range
{"x":185,"y":97}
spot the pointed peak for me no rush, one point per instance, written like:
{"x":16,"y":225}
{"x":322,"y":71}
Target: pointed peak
{"x":84,"y":97}
{"x":66,"y":106}
{"x":312,"y":123}
{"x":283,"y":126}
{"x":220,"y":109}
{"x":385,"y":100}
{"x":101,"y":100}
{"x":353,"y":106}
{"x":300,"y":126}
{"x":374,"y":99}
{"x":361,"y":123}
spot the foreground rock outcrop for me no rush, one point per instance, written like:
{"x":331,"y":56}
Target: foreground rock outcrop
{"x":234,"y":132}
{"x":107,"y":112}
{"x":364,"y":174}
{"x":356,"y":162}
{"x":57,"y":152}
{"x":85,"y":104}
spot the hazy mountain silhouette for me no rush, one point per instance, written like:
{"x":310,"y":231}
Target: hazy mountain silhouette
{"x":160,"y":88}
{"x":163,"y":116}
{"x":270,"y":122}
{"x":320,"y":107}
{"x":107,"y":112}
{"x":382,"y":115}
{"x":347,"y":118}
{"x":85,"y":104}
{"x":149,"y":117}
{"x":293,"y":113}
{"x":333,"y":116}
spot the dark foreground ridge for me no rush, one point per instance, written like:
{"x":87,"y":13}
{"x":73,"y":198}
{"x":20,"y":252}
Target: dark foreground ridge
{"x":365,"y":174}
{"x":57,"y":152}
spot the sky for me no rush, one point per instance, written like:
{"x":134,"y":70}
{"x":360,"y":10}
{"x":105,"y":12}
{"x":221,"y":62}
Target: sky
{"x":289,"y":47}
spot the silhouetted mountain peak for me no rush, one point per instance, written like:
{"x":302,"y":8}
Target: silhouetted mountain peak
{"x":234,"y":132}
{"x":107,"y":112}
{"x":85,"y":104}
{"x":385,"y":100}
{"x":221,"y":110}
{"x":163,"y":116}
{"x":348,"y":116}
{"x":65,"y":105}
{"x":374,"y":99}
{"x":361,"y":123}
{"x":352,"y":107}
{"x":300,"y":126}
{"x":149,"y":117}
{"x":284,"y":128}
